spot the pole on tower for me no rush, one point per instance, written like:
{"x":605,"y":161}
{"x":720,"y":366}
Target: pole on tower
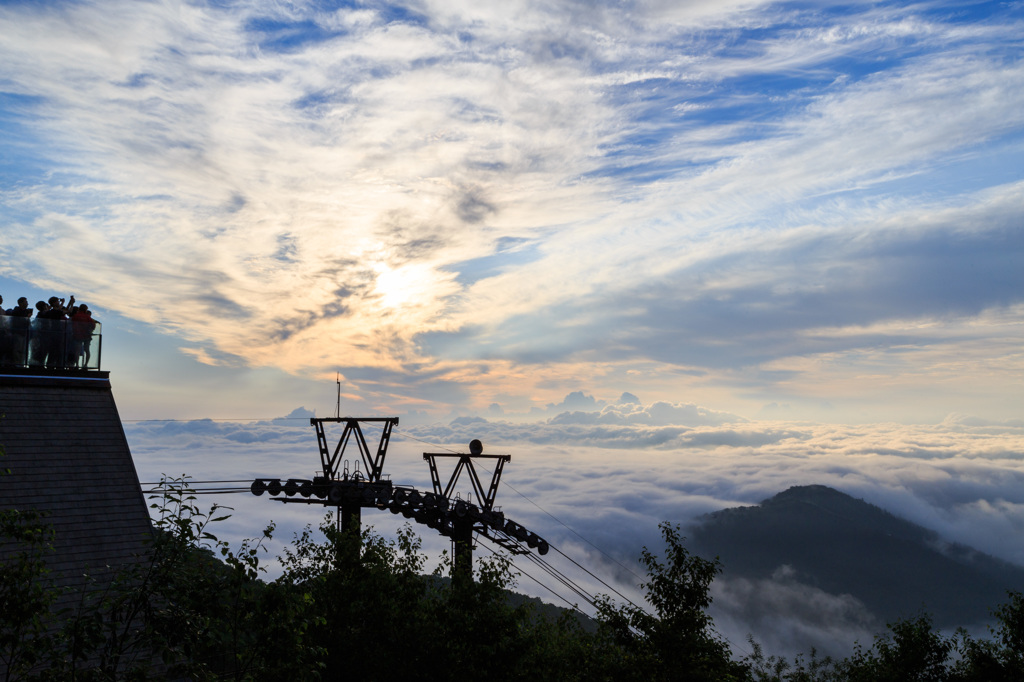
{"x":347,"y":489}
{"x":463,"y":521}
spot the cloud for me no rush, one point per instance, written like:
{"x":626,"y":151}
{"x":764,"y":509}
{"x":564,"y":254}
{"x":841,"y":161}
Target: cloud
{"x":788,"y":617}
{"x":598,"y":492}
{"x":948,"y":478}
{"x":707,"y":187}
{"x":962,"y":481}
{"x":576,"y":400}
{"x":299,"y":413}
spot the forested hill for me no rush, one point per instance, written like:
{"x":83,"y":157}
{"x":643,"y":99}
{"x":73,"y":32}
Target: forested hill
{"x":844,"y":545}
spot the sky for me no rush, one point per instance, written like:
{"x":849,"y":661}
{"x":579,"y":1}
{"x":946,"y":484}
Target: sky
{"x":672,"y":256}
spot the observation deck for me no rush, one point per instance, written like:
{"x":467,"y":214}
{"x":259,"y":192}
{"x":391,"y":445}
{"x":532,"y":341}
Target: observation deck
{"x":50,"y":347}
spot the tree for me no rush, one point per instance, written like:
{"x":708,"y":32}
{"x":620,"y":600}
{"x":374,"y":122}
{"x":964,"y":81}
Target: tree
{"x":1010,"y":632}
{"x":1000,"y":659}
{"x":207,"y":610}
{"x":779,"y":669}
{"x":359,"y":600}
{"x":188,"y":607}
{"x":678,"y":641}
{"x":26,"y":591}
{"x":911,"y":651}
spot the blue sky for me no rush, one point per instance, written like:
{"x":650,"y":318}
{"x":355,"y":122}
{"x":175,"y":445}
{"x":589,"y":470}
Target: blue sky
{"x":776,"y":225}
{"x":768,"y":203}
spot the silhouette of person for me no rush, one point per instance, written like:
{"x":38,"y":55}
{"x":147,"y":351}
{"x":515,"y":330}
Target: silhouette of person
{"x":56,"y":333}
{"x":19,"y":320}
{"x":6,"y":342}
{"x":82,"y":328}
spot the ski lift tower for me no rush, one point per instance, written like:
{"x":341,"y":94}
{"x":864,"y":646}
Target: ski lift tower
{"x":467,"y":516}
{"x":350,"y":490}
{"x":353,"y":490}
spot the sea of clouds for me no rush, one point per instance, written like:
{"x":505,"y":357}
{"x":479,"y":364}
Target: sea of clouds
{"x":596,"y":482}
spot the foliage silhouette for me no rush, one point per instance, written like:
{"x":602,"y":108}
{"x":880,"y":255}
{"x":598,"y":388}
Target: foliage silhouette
{"x":678,"y":641}
{"x":359,"y":607}
{"x":26,"y":591}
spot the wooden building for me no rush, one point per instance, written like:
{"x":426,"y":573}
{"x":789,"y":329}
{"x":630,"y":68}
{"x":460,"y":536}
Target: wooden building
{"x":66,"y":456}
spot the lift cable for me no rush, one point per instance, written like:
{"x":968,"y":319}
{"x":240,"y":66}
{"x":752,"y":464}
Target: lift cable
{"x":547,"y":566}
{"x":202,"y":491}
{"x":592,"y":601}
{"x":564,"y":579}
{"x":519,"y":569}
{"x":574,"y":607}
{"x":425,"y":442}
{"x":587,"y":571}
{"x":554,"y":573}
{"x":218,"y":419}
{"x":190,"y":481}
{"x":155,"y":490}
{"x":541,"y":561}
{"x":573,"y":531}
{"x":558,"y":575}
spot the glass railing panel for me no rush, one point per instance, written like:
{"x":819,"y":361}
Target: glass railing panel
{"x":50,"y":344}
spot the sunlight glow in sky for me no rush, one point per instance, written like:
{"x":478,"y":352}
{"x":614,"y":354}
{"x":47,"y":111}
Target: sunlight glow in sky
{"x":746,"y":204}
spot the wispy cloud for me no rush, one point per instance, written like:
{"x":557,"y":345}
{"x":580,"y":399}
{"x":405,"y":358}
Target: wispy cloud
{"x":502,"y":197}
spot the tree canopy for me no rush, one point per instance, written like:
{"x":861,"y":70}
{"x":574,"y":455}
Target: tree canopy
{"x":361,"y":607}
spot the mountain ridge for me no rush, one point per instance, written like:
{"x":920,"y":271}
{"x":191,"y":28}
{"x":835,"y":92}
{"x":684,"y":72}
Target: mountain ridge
{"x":846,"y":546}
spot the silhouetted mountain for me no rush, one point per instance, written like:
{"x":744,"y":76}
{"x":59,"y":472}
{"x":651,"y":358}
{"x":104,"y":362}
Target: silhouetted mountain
{"x":844,"y":545}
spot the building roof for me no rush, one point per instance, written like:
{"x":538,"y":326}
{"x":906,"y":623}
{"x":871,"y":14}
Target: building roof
{"x":67,"y":457}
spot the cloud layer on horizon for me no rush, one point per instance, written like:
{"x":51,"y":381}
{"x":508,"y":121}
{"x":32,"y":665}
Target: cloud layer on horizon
{"x":597,"y":491}
{"x":962,"y":478}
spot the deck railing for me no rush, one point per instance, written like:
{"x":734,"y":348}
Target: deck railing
{"x":50,"y":344}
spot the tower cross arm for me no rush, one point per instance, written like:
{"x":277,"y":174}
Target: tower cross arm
{"x":465,"y":462}
{"x":374,"y":463}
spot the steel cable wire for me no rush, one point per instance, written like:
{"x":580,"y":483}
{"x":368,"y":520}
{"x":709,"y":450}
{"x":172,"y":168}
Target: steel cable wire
{"x":572,"y":606}
{"x":564,"y":579}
